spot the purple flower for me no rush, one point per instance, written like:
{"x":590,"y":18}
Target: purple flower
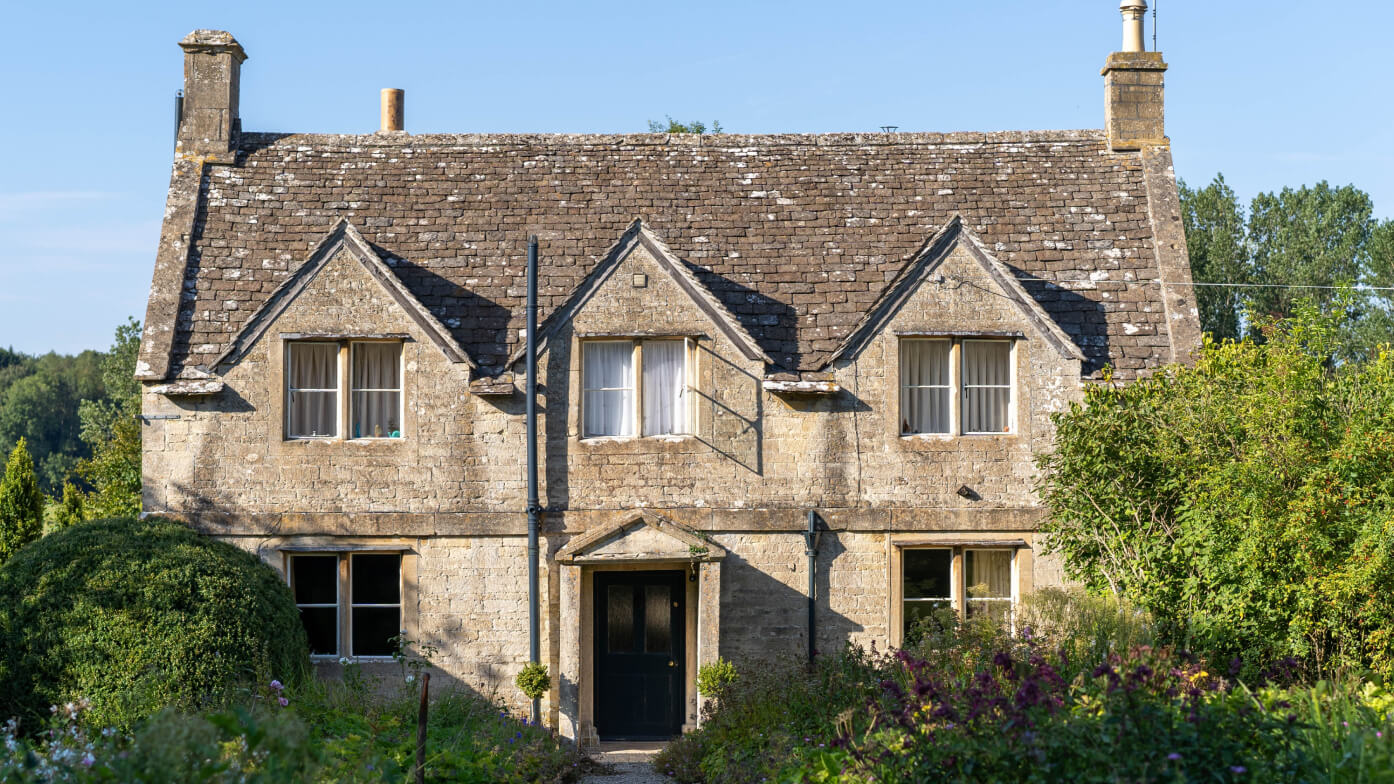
{"x":1173,"y":756}
{"x":276,"y":685}
{"x":1237,"y":769}
{"x":283,"y":701}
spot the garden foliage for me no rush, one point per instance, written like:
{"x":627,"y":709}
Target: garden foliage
{"x":1246,"y":502}
{"x":136,"y":616}
{"x":21,"y":503}
{"x":969,"y":702}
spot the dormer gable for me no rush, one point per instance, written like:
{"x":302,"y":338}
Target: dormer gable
{"x":640,"y":245}
{"x":933,"y":263}
{"x":343,"y":241}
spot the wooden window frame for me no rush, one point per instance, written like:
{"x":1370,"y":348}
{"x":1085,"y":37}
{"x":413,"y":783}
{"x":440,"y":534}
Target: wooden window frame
{"x":957,"y":409}
{"x":957,"y":578}
{"x":344,"y":603}
{"x":343,"y":394}
{"x":636,"y":379}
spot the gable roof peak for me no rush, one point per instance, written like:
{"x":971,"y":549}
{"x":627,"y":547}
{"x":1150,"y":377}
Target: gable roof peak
{"x":929,"y":257}
{"x":638,"y":234}
{"x":344,"y":236}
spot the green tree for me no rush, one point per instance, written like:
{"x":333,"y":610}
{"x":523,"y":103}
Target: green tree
{"x":111,"y":430}
{"x":21,"y":503}
{"x":1215,"y":240}
{"x":39,"y":398}
{"x":1316,"y":236}
{"x":1247,"y":502}
{"x":669,"y":125}
{"x":70,"y":510}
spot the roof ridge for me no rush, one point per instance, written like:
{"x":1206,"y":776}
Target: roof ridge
{"x":721,"y":140}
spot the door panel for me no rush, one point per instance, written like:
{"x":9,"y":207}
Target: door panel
{"x":640,"y":654}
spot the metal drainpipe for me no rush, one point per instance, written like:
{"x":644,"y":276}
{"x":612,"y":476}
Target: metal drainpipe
{"x":810,"y":539}
{"x":178,"y":113}
{"x":534,"y":508}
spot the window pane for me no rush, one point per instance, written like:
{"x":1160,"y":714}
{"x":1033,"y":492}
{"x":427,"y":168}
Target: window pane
{"x":313,"y":365}
{"x":619,"y":618}
{"x":658,"y":619}
{"x":609,"y":365}
{"x":313,"y":414}
{"x":377,"y":366}
{"x":927,"y":574}
{"x":322,"y":629}
{"x":986,"y":386}
{"x":997,"y":609}
{"x":914,"y":613}
{"x":376,"y":579}
{"x":988,"y":574}
{"x":924,"y":410}
{"x":314,"y":579}
{"x":664,"y":363}
{"x":608,"y":405}
{"x":609,"y":412}
{"x":373,"y":630}
{"x":377,"y":414}
{"x":377,"y":384}
{"x":924,"y":391}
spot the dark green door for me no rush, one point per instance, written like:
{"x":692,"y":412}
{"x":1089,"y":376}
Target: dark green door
{"x":639,"y":655}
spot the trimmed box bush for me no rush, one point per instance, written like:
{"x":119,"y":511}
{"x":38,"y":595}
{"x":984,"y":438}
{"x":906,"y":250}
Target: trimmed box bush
{"x":138,"y":615}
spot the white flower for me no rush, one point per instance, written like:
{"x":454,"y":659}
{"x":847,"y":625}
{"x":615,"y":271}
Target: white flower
{"x":410,"y":678}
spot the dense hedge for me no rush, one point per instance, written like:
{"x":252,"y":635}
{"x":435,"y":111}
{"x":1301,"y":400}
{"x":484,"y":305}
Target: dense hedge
{"x":138,"y":615}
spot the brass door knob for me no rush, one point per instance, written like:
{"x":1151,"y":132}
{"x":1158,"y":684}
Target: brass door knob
{"x":671,"y":663}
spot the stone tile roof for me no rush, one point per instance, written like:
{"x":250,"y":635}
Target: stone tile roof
{"x":798,"y":235}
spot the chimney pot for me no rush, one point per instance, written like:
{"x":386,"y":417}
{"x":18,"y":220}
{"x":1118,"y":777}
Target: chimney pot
{"x":392,"y":110}
{"x":1133,"y":13}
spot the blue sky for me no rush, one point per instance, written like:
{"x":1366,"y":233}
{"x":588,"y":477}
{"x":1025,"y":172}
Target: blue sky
{"x":1270,"y":94}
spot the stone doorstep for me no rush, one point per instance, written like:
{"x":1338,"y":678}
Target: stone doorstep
{"x":612,"y":752}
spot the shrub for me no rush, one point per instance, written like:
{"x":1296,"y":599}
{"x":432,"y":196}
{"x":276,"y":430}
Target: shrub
{"x":715,"y":677}
{"x":1246,"y":502}
{"x":136,"y":616}
{"x":533,"y":680}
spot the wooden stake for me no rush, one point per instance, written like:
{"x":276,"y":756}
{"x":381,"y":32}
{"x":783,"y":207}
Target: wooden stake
{"x":421,"y":731}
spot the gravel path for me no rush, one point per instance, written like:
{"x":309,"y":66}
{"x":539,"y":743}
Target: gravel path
{"x":627,"y":773}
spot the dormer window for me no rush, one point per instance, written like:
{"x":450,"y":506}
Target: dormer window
{"x":956,"y":386}
{"x":634,"y":386}
{"x":317,"y":385}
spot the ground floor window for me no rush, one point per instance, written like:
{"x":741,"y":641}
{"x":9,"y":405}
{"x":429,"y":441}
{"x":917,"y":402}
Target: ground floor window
{"x":350,"y":603}
{"x":974,"y":581}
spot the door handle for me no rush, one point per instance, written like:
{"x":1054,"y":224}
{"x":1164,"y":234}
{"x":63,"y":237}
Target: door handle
{"x":671,"y":663}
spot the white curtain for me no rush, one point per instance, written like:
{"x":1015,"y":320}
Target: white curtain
{"x":987,"y":385}
{"x":608,"y":381}
{"x":664,"y":399}
{"x":988,"y":581}
{"x":314,"y":389}
{"x":377,"y":390}
{"x":924,"y":386}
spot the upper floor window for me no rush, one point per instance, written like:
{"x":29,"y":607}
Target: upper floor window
{"x":634,"y":386}
{"x":930,"y":377}
{"x":314,"y":389}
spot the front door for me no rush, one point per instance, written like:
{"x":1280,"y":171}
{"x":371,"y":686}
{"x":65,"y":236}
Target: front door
{"x":639,"y":655}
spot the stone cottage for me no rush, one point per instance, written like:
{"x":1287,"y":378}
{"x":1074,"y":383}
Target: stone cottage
{"x":739,"y":334}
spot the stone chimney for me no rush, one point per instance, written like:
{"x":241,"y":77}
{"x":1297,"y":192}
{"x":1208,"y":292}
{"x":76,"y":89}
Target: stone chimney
{"x":1133,"y":84}
{"x":212,"y":72}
